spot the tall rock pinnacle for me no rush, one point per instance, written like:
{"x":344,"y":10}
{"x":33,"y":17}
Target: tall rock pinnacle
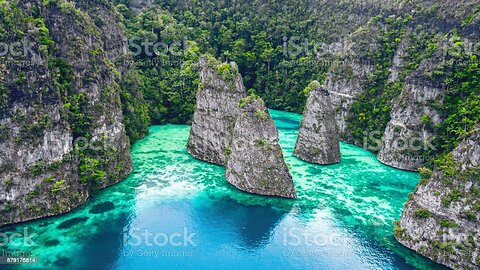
{"x":318,"y":139}
{"x":218,"y":96}
{"x":256,"y":164}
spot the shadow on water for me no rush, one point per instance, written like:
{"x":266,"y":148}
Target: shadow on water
{"x":252,"y":225}
{"x":339,"y":198}
{"x":377,"y":239}
{"x":375,"y":236}
{"x":102,"y":249}
{"x":89,"y":237}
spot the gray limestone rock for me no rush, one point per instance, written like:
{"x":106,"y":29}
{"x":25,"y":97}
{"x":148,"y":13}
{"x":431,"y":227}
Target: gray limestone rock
{"x":256,"y":164}
{"x":43,"y":172}
{"x":218,"y":96}
{"x":441,"y":220}
{"x":318,"y":139}
{"x":408,"y":135}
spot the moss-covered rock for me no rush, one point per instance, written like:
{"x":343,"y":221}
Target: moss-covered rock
{"x":256,"y":164}
{"x":318,"y":138}
{"x":218,"y":97}
{"x":440,"y":220}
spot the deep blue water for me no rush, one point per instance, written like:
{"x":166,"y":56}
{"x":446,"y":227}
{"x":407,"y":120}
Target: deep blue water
{"x":175,"y":212}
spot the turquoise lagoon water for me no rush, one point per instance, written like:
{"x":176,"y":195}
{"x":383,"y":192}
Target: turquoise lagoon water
{"x":342,"y":218}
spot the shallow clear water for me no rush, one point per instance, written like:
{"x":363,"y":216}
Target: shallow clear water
{"x":342,"y":218}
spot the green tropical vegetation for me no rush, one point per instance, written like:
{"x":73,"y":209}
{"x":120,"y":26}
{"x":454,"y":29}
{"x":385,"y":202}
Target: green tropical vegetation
{"x":276,"y":57}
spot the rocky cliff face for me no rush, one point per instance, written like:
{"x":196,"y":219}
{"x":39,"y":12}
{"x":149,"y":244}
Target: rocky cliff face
{"x":255,"y":163}
{"x":398,"y":93}
{"x":318,"y":140}
{"x":441,"y":220}
{"x":62,"y":132}
{"x":410,"y":131}
{"x":407,"y":137}
{"x":219,"y":93}
{"x":349,"y":74}
{"x":344,"y":83}
{"x":405,"y":94}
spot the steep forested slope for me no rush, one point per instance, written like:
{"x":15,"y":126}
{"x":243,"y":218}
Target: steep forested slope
{"x":403,"y":70}
{"x":63,"y":107}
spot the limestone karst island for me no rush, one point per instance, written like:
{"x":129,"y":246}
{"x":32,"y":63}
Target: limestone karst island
{"x":235,"y":134}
